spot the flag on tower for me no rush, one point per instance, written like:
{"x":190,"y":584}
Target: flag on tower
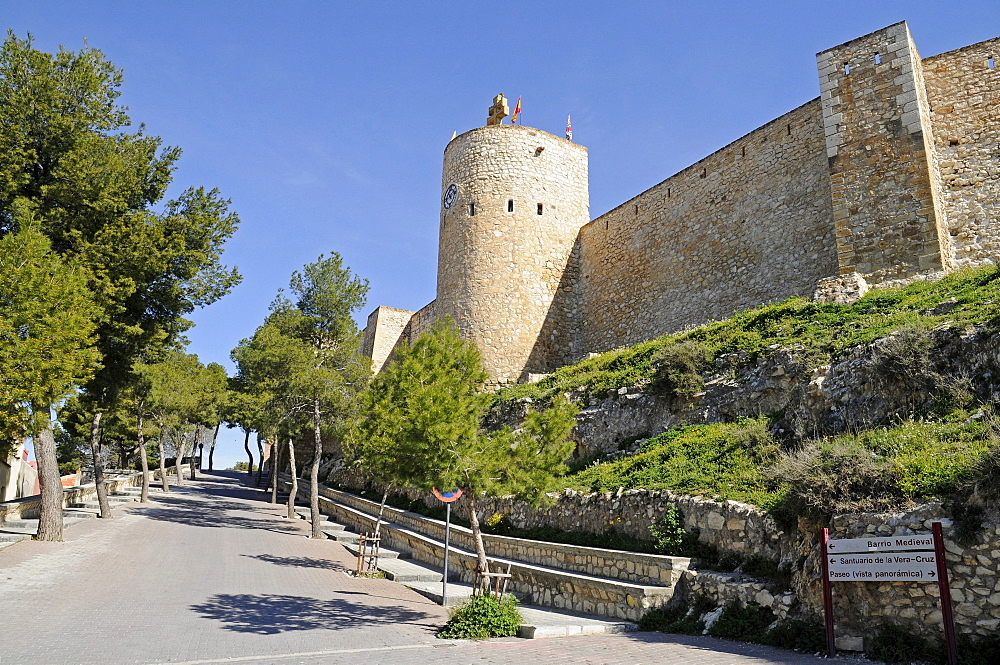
{"x":569,"y":128}
{"x":517,"y":112}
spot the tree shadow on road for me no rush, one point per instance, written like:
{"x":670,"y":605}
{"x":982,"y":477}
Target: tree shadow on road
{"x":268,"y":614}
{"x":297,"y":561}
{"x":215,"y":514}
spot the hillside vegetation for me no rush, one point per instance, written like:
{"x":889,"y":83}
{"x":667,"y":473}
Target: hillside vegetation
{"x":822,"y":331}
{"x":950,"y":453}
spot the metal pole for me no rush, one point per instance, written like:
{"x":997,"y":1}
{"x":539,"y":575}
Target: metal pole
{"x":946,"y":609}
{"x":831,"y":640}
{"x":447,"y":536}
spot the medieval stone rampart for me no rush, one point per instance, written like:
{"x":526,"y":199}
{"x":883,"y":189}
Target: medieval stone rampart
{"x":892,"y":174}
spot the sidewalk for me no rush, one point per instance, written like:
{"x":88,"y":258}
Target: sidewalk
{"x":211,"y":573}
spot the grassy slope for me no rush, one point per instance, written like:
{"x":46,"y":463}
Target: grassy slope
{"x":917,"y":459}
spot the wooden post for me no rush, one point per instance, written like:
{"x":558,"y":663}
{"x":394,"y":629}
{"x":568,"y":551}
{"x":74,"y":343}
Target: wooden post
{"x":945,"y":589}
{"x":831,"y":640}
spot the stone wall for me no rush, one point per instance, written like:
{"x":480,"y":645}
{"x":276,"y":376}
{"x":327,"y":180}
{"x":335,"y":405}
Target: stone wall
{"x":964,"y":96}
{"x":386,"y":326}
{"x":747,"y":225}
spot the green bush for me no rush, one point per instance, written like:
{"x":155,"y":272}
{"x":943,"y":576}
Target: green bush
{"x":677,"y":368}
{"x":668,"y":532}
{"x":892,"y":643}
{"x":483,"y":617}
{"x":797,"y":634}
{"x":978,"y":651}
{"x":682,"y":619}
{"x":747,"y":623}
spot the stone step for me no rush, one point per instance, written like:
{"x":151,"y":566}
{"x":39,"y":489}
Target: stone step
{"x":8,"y":543}
{"x":11,"y":538}
{"x":305,"y":514}
{"x":409,"y":572}
{"x":30,"y":526}
{"x":344,"y":537}
{"x":383,"y":552}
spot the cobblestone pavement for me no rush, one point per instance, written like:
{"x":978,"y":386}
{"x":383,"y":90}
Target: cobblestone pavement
{"x":212,"y":574}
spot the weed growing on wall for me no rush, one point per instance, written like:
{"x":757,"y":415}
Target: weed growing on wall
{"x":668,"y":532}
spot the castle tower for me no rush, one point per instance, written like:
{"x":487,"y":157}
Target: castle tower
{"x":884,"y":185}
{"x":513,"y":201}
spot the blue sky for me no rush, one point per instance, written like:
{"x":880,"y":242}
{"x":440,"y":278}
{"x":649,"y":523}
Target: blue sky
{"x":325,"y":122}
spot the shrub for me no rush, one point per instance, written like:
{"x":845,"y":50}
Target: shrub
{"x":828,"y":477}
{"x":797,"y":634}
{"x":677,"y":368}
{"x":981,"y":651}
{"x":684,"y":620}
{"x":483,"y":617}
{"x":668,"y":532}
{"x":747,"y":623}
{"x":892,"y":643}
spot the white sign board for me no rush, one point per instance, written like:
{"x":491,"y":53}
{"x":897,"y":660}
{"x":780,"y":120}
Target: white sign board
{"x":880,"y":544}
{"x":883,"y":567}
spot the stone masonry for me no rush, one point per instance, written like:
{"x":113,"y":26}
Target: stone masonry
{"x":892,"y":174}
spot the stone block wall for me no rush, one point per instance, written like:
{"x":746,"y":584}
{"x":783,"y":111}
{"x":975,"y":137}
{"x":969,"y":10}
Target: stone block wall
{"x":963,"y":92}
{"x":885,"y":209}
{"x":385,"y":328}
{"x":747,"y":225}
{"x":506,"y":244}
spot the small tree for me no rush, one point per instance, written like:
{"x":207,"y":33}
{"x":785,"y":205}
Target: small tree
{"x":422,"y":428}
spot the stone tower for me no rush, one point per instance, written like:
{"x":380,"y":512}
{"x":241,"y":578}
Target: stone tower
{"x":887,"y":213}
{"x":513,"y":201}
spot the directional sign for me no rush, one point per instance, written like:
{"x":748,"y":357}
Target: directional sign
{"x":892,"y":543}
{"x":883,"y":567}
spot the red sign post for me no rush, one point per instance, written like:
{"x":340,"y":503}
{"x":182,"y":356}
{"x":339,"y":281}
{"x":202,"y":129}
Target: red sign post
{"x":887,"y":559}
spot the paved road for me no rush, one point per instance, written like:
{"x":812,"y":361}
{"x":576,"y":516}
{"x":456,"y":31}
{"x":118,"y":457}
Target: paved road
{"x":212,"y":574}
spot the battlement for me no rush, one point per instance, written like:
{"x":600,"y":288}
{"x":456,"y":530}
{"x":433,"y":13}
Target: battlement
{"x":892,"y":174}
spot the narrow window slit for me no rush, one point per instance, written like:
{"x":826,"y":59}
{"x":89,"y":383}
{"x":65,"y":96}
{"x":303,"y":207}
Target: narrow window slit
{"x":539,"y":208}
{"x":789,"y":129}
{"x":668,"y":192}
{"x":743,"y":151}
{"x":878,"y":58}
{"x":472,"y":210}
{"x":704,"y":173}
{"x":510,"y":205}
{"x":637,"y":208}
{"x":989,"y":62}
{"x":847,"y":68}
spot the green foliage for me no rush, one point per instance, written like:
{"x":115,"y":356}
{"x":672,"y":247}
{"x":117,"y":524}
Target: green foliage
{"x":97,"y":192}
{"x":893,"y":643}
{"x":883,"y":468}
{"x":681,"y":619}
{"x":820,"y":331}
{"x":978,"y":651}
{"x":677,"y":368}
{"x":797,"y":634}
{"x":668,"y":532}
{"x":239,"y":466}
{"x":742,"y":622}
{"x":483,"y":617}
{"x":47,"y":323}
{"x":724,"y":460}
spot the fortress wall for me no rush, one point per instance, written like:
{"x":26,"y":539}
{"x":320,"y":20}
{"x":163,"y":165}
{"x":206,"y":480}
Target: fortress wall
{"x":506,"y":244}
{"x":421,"y":321}
{"x":964,"y":97}
{"x":747,"y":225}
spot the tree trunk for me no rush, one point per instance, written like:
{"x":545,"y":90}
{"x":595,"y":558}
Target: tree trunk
{"x":295,"y":480}
{"x":181,"y":445}
{"x":260,"y":455}
{"x":95,"y":451}
{"x":211,"y":451}
{"x":317,"y":531}
{"x":477,"y":534}
{"x":275,"y":456}
{"x":246,"y":447}
{"x":50,"y":518}
{"x":381,"y":510}
{"x":163,"y":464}
{"x":144,"y":496}
{"x":192,"y":465}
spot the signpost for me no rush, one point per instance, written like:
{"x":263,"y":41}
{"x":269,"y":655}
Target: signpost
{"x":918,"y":558}
{"x":447,"y":498}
